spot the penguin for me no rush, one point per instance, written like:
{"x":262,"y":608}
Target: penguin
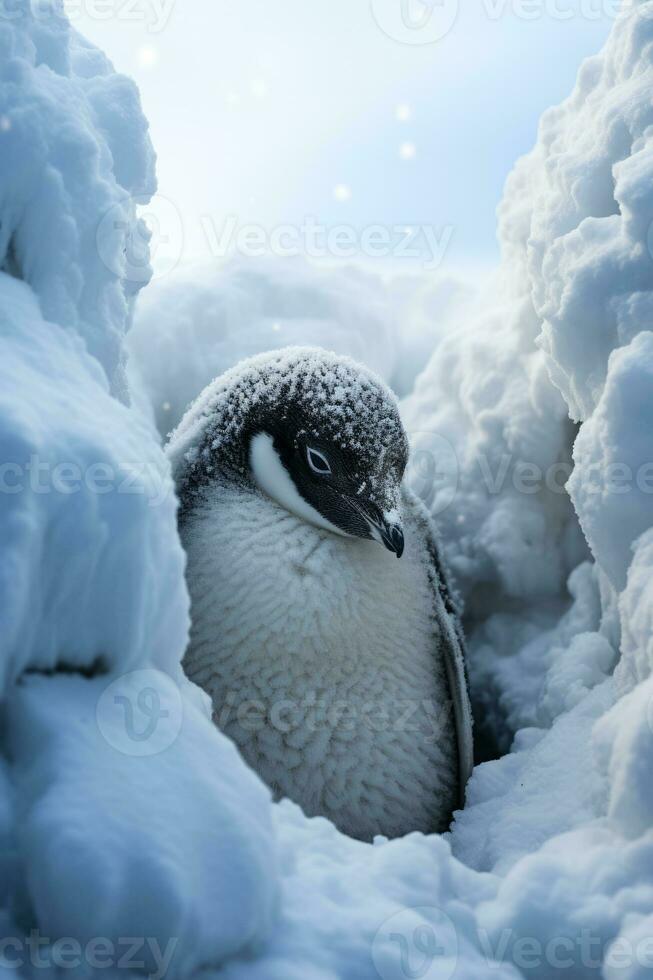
{"x":323,"y":627}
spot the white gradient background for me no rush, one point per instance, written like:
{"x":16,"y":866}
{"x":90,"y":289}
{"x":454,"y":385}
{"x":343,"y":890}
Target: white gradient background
{"x":260,"y":108}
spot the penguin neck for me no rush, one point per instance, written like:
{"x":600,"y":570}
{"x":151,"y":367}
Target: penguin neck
{"x":272,"y":477}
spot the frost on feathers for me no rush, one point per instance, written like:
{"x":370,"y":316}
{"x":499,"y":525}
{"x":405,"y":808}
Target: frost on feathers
{"x":354,"y":396}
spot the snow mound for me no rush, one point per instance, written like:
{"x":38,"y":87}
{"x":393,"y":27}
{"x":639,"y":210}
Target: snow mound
{"x":200,"y":321}
{"x":589,"y":194}
{"x":612,"y":482}
{"x":565,"y":818}
{"x":84,"y":489}
{"x":74,"y":154}
{"x":636,"y":613}
{"x":172,"y":838}
{"x":123,"y":812}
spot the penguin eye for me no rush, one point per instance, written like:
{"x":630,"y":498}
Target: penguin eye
{"x":318,"y":462}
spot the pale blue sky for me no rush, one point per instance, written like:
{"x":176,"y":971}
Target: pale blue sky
{"x":261,"y":108}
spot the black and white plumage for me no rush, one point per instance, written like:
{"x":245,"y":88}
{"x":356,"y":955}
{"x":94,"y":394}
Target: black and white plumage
{"x":337,"y":670}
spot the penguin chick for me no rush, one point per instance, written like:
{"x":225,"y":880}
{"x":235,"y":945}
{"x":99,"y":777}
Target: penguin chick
{"x":336,"y":669}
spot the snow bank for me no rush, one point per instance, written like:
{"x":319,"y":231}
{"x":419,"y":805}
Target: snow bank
{"x":588,"y":181}
{"x":74,"y":153}
{"x":390,"y":910}
{"x":636,"y":608}
{"x":83,"y":491}
{"x":123,"y":812}
{"x":201,"y":320}
{"x":154,"y":845}
{"x":565,"y":818}
{"x":501,"y":390}
{"x":612,"y":483}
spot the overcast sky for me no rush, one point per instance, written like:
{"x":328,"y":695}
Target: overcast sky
{"x":274,"y":110}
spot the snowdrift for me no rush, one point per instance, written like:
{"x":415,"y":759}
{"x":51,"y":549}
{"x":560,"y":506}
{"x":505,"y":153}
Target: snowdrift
{"x":200,"y":321}
{"x":101,"y":833}
{"x":106,"y":833}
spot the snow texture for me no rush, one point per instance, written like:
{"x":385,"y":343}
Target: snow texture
{"x":74,"y":156}
{"x":550,"y":866}
{"x":172,"y":836}
{"x":192,"y":326}
{"x":102,"y":833}
{"x":565,"y":817}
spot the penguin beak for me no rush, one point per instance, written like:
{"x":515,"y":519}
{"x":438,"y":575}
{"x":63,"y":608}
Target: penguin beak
{"x":381,"y":528}
{"x":392,"y":537}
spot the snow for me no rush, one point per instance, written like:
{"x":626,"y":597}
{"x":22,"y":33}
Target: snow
{"x":565,"y":817}
{"x":98,"y":839}
{"x":85,"y":486}
{"x":636,"y":610}
{"x":73,"y":154}
{"x":173,"y":835}
{"x":550,"y":865}
{"x":589,"y":248}
{"x":198,"y":322}
{"x":347,"y":905}
{"x":612,"y":482}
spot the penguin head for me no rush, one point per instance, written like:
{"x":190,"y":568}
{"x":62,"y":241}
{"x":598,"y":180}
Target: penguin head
{"x":321,"y":481}
{"x":316,"y":432}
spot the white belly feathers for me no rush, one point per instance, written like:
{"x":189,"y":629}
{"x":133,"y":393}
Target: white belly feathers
{"x":323,"y":659}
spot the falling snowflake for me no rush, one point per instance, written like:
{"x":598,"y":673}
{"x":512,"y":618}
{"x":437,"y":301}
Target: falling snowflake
{"x":342,"y":192}
{"x":258,"y":87}
{"x":147,"y":56}
{"x":407,"y":151}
